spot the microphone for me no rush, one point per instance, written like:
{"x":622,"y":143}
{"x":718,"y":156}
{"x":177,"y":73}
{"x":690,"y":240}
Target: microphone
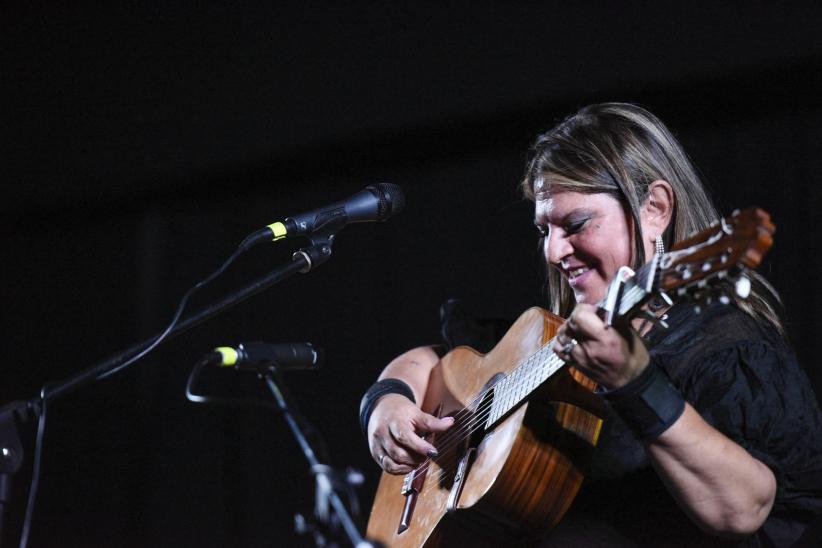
{"x":263,"y":357}
{"x":375,"y":203}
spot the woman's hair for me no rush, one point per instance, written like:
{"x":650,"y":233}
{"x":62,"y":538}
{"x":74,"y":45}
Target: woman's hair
{"x":619,"y":149}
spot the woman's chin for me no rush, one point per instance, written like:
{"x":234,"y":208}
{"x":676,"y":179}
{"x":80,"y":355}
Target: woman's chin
{"x":587,"y":297}
{"x":582,"y":297}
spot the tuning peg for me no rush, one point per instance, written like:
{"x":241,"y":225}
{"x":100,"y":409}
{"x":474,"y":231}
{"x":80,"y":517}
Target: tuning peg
{"x":743,"y":286}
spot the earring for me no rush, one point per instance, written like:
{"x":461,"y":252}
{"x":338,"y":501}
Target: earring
{"x":660,"y":245}
{"x":659,"y":302}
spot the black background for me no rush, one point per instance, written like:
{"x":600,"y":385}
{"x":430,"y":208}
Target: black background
{"x":141,"y":144}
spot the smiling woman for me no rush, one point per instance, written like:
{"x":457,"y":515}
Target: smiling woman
{"x":711,"y":433}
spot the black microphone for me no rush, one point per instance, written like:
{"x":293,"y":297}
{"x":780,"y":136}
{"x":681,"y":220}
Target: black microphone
{"x":265,"y":357}
{"x":375,"y":203}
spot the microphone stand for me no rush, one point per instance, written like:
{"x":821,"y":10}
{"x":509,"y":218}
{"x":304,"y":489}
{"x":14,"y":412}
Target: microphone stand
{"x":325,"y":483}
{"x":11,"y":453}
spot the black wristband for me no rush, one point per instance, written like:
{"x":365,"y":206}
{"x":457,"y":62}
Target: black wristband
{"x":648,"y":405}
{"x":378,"y":390}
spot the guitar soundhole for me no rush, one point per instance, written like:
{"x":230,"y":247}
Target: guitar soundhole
{"x":468,"y":433}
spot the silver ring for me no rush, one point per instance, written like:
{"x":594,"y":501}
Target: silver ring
{"x":382,"y":457}
{"x":569,"y":346}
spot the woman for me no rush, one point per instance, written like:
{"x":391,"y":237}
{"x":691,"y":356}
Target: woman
{"x":714,"y":435}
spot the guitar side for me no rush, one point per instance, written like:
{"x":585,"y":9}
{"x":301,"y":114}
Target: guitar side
{"x":523,"y":474}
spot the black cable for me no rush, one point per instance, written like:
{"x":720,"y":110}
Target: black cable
{"x":194,"y":397}
{"x":35,"y":475}
{"x":177,"y":314}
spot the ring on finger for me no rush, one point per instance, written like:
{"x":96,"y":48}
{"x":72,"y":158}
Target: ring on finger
{"x":382,"y":458}
{"x":569,"y":346}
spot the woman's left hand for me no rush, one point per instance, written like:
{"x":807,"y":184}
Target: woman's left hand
{"x":610,"y":355}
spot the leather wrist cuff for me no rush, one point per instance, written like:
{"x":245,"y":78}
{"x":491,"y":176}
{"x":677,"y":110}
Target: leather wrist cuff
{"x":648,"y":405}
{"x":378,"y":390}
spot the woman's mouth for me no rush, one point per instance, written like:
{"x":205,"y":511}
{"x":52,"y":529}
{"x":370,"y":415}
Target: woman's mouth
{"x":577,"y":275}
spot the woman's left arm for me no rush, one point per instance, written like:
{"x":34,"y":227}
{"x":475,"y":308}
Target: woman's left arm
{"x":721,"y":487}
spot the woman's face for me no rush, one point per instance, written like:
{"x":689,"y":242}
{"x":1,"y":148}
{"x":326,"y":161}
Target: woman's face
{"x":588,"y":237}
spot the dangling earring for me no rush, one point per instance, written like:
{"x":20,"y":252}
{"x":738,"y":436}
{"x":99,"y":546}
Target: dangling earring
{"x":658,"y":303}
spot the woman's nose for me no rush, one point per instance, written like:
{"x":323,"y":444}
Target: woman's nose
{"x":557,"y":247}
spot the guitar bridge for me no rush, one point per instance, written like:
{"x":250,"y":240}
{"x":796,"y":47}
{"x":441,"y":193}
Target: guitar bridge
{"x":407,"y":483}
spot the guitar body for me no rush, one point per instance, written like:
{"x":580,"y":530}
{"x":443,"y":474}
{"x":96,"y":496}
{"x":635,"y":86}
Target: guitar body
{"x":522,"y":475}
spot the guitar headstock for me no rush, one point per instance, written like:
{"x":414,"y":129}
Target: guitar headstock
{"x":724,"y":250}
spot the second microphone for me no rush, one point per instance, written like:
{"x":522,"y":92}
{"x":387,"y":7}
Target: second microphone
{"x":263,"y":357}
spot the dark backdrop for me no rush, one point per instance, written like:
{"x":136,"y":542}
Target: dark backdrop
{"x":141,"y":144}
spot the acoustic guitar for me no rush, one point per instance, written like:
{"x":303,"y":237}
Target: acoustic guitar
{"x":525,"y":424}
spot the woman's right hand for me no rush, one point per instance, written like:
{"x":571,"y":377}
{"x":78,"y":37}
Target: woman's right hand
{"x":395,"y":434}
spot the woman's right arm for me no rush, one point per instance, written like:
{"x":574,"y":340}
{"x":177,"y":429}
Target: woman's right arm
{"x":397,"y":425}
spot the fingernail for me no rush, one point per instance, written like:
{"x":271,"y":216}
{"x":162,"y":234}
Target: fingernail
{"x":432,"y":453}
{"x":448,"y":419}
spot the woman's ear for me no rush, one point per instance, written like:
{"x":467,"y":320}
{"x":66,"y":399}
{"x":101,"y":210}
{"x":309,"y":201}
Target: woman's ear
{"x":657,"y":211}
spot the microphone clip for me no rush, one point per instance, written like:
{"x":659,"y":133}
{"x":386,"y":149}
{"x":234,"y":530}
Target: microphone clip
{"x":317,"y":253}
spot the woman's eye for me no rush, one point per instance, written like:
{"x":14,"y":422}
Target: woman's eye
{"x":575,"y":226}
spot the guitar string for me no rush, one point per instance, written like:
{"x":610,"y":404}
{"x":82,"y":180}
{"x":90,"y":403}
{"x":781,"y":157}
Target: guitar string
{"x":479,"y":416}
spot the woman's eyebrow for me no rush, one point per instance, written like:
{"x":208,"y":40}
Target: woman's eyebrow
{"x":573,"y":215}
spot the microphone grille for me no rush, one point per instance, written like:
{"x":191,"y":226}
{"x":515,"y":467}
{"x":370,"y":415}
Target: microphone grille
{"x":391,"y":199}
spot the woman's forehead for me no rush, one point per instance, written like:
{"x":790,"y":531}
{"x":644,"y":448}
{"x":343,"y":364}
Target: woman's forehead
{"x":547,"y":192}
{"x":560,"y":202}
